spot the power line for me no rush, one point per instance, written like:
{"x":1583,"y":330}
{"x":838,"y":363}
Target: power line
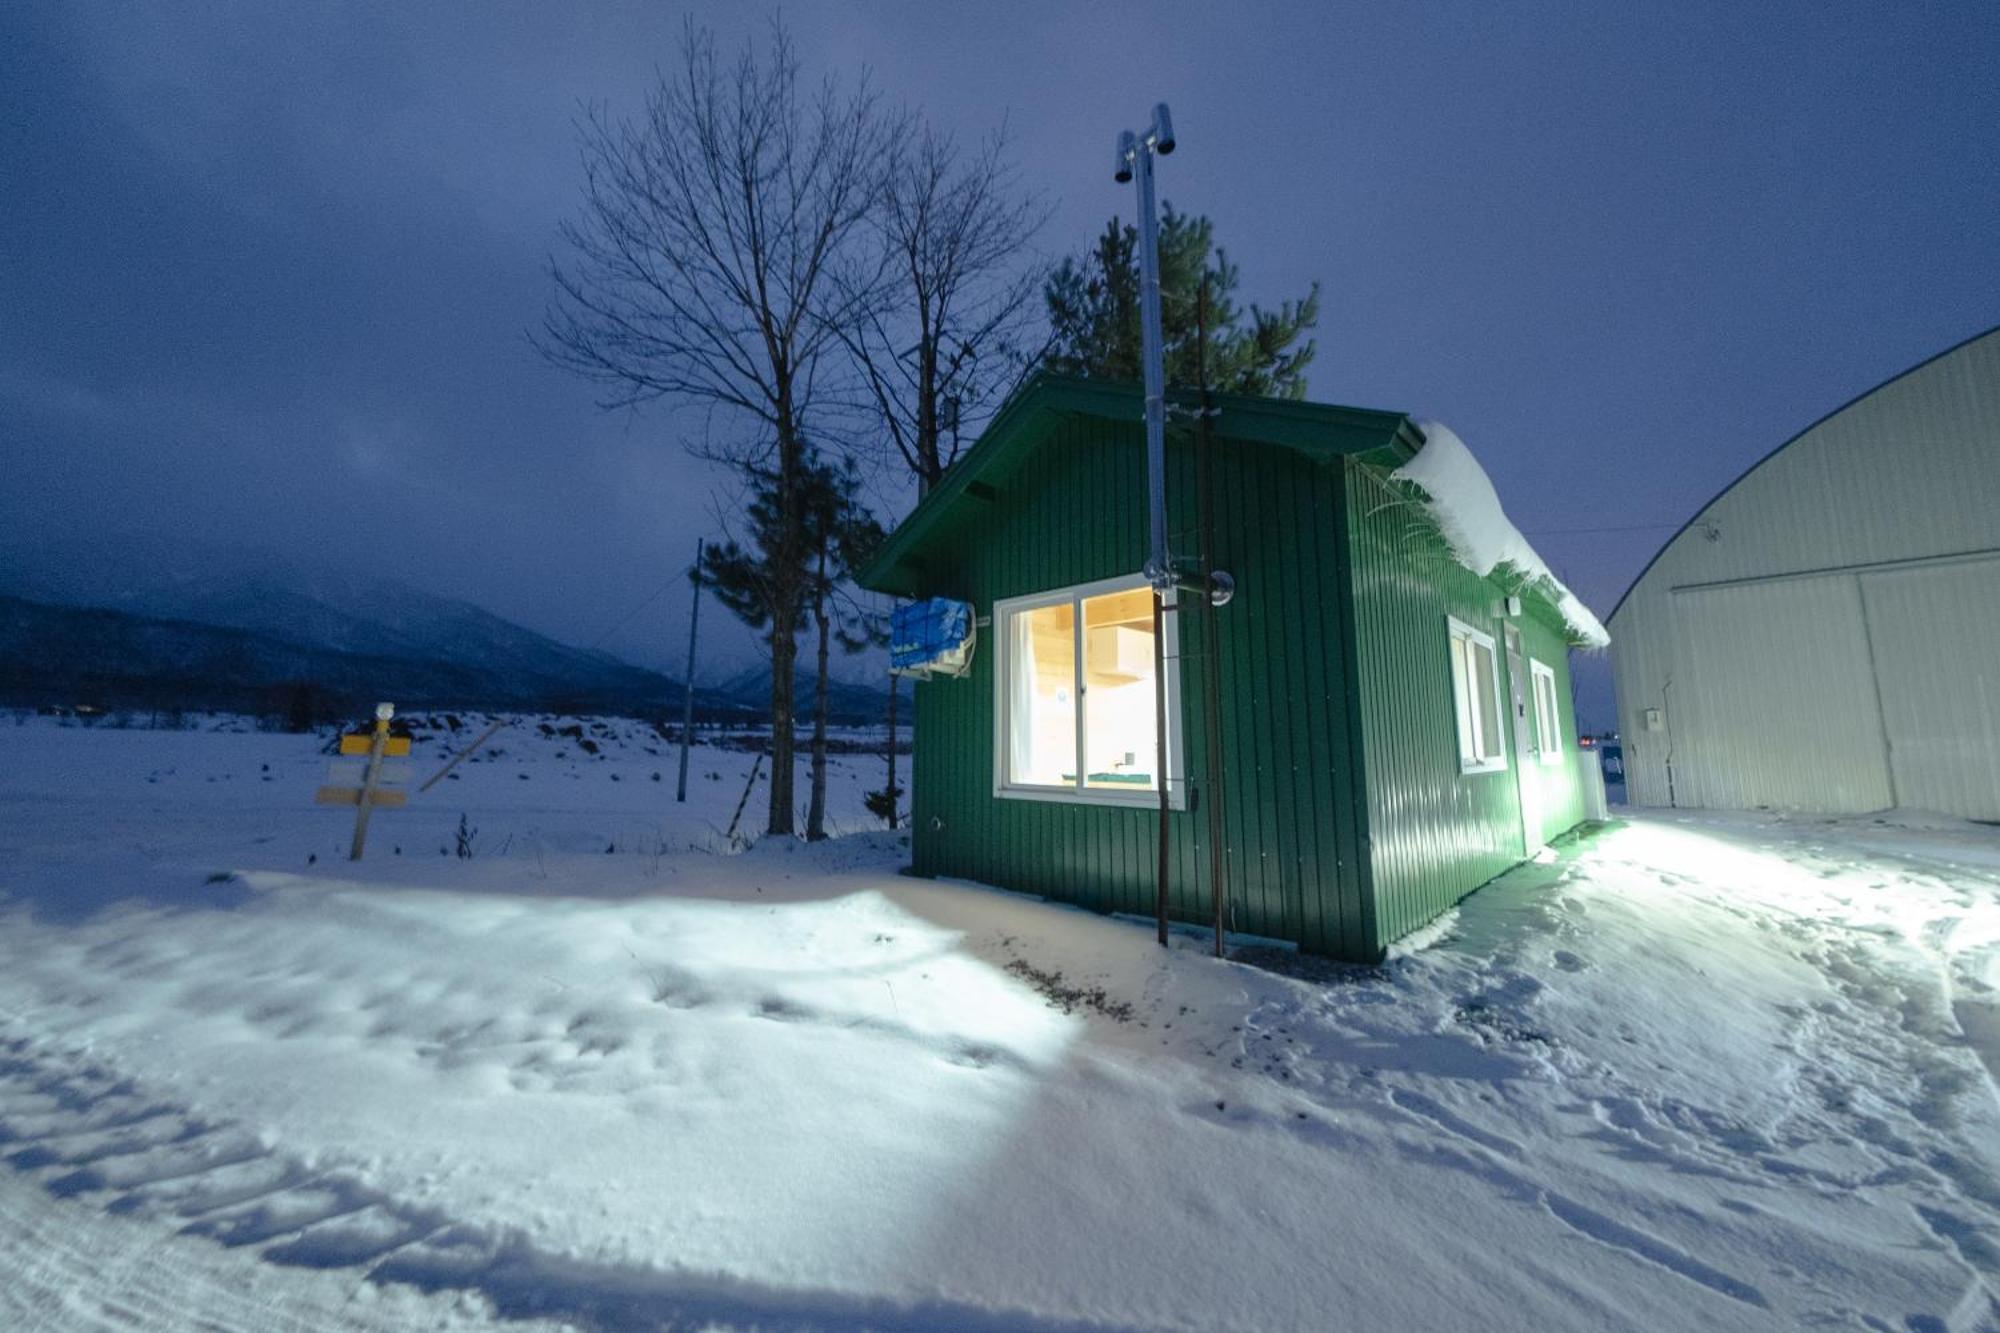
{"x":1577,"y":532}
{"x":631,"y":615}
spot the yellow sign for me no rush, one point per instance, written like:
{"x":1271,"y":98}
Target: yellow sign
{"x":394,"y":747}
{"x":352,"y":796}
{"x":354,"y":773}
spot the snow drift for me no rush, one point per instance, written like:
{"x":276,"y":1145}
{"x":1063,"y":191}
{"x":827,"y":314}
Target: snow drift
{"x":1697,"y":1072}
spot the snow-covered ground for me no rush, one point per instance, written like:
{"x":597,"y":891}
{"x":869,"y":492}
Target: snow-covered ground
{"x":1695,"y":1072}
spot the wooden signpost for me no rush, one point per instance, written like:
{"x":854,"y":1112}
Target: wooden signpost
{"x":361,"y":779}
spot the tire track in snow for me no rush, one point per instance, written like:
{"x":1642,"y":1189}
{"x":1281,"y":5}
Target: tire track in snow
{"x":211,"y":1180}
{"x":75,"y":1268}
{"x":227,"y":1192}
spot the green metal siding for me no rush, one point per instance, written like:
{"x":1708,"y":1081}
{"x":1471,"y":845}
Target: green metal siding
{"x":1334,"y":663}
{"x":1074,"y":513}
{"x":1434,"y":832}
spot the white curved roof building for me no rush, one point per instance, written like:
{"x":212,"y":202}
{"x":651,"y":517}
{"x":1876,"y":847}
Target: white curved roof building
{"x":1825,"y":634}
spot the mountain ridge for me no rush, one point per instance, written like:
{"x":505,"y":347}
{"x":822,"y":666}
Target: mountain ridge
{"x":195,"y":632}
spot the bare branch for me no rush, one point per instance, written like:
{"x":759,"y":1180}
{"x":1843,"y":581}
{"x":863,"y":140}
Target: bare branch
{"x":932,"y":330}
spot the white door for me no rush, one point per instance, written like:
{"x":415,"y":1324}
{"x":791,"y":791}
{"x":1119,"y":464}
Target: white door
{"x":1527,"y":755}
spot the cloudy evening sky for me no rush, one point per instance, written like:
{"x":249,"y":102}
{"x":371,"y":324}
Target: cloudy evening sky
{"x":266,"y":271}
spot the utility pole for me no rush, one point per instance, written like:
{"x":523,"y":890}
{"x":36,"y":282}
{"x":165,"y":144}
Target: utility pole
{"x":687,"y":708}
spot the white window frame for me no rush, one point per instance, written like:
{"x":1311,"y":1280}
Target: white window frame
{"x":1079,"y":793}
{"x":1469,"y":759}
{"x":1548,"y":726}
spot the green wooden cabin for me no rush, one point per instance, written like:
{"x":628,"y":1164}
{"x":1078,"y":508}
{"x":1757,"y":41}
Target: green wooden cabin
{"x":1395,"y":729}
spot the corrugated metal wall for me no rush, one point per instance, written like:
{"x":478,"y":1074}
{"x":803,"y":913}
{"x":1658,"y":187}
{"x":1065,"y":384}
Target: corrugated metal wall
{"x":1819,"y":731}
{"x":1825,"y":634}
{"x":1936,"y":637}
{"x":1438,"y":833}
{"x":1075,"y":515}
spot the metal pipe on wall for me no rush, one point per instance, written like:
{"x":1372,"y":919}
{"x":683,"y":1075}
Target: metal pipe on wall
{"x":1159,"y":566}
{"x":1135,"y":160}
{"x":1211,"y":599}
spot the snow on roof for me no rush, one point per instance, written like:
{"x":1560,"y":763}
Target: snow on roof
{"x":1467,"y":510}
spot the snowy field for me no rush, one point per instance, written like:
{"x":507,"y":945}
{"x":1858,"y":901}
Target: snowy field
{"x":1693,"y":1073}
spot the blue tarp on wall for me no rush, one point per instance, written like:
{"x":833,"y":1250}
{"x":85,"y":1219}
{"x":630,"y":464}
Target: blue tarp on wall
{"x":931,"y":636}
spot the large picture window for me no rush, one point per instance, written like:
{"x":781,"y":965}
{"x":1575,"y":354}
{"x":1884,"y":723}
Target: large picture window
{"x":1475,"y":687}
{"x":1076,"y":685}
{"x":1548,"y":718}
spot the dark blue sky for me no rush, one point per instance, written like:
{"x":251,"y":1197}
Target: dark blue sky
{"x":267,"y":269}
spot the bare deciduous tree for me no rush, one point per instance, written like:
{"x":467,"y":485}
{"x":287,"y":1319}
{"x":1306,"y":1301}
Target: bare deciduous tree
{"x":711,"y":263}
{"x":937,"y":345}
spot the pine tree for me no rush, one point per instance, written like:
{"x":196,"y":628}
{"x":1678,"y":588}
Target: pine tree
{"x":1093,"y":306}
{"x":740,"y":575}
{"x":839,"y":535}
{"x":844,"y":534}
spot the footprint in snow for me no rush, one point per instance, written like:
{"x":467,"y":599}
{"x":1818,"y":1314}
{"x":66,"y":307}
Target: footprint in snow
{"x":1648,"y":1248}
{"x":971,"y":1055}
{"x":1417,"y":1104}
{"x":679,"y":997}
{"x":780,"y":1010}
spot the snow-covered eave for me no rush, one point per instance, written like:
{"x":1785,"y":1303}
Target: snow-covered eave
{"x":1460,"y":498}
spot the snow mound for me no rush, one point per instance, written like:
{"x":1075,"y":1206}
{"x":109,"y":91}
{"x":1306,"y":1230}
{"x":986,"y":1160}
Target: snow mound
{"x":1424,"y":937}
{"x":1467,"y":509}
{"x":1708,"y":1071}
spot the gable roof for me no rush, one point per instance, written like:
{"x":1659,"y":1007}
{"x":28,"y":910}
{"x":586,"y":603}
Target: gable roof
{"x":1316,"y":429}
{"x":1045,"y":400}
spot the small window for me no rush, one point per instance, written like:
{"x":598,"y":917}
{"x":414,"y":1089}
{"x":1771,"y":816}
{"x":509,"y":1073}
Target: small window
{"x":1475,"y":686}
{"x":1548,"y":717}
{"x":1076,"y":687}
